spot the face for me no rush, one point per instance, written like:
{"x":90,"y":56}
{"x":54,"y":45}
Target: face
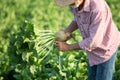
{"x":76,"y":4}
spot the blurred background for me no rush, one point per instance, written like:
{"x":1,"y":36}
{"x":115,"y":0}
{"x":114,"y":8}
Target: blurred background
{"x":44,"y":15}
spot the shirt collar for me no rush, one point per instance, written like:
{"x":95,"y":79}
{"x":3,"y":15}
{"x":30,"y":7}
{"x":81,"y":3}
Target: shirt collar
{"x":86,"y":6}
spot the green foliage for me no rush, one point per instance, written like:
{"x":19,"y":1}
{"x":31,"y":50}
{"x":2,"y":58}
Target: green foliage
{"x":21,"y":54}
{"x":30,"y":57}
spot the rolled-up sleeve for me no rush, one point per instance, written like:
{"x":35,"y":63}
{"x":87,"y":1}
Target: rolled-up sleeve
{"x":96,"y":30}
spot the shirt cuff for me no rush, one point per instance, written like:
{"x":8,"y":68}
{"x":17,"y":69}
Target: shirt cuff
{"x":83,"y":47}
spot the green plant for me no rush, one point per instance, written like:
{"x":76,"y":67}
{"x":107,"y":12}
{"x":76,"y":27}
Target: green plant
{"x":21,"y":60}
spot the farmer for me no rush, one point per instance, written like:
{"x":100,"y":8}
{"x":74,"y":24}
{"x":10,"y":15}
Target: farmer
{"x":101,"y":37}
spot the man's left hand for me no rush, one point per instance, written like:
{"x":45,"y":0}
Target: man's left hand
{"x":62,"y":46}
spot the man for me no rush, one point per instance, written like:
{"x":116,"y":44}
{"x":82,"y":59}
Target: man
{"x":101,"y":37}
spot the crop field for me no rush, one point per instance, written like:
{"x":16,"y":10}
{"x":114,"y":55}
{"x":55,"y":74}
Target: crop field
{"x":27,"y":36}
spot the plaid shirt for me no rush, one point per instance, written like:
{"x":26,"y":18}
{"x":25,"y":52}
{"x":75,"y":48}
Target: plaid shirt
{"x":101,"y":37}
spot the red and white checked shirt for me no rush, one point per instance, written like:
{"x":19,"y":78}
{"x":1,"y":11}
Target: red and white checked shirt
{"x":101,"y":37}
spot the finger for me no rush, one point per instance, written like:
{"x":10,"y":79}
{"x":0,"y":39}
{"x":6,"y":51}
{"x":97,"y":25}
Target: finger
{"x":57,"y":42}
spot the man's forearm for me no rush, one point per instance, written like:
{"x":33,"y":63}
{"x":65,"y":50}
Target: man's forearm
{"x":74,"y":46}
{"x":72,"y":27}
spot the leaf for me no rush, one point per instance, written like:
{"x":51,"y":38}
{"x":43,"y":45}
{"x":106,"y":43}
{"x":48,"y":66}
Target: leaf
{"x":31,"y":45}
{"x":33,"y":59}
{"x":29,"y":30}
{"x":26,"y":56}
{"x":19,"y":42}
{"x":33,"y":69}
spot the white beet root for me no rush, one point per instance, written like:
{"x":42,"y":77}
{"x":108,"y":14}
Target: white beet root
{"x":61,"y":35}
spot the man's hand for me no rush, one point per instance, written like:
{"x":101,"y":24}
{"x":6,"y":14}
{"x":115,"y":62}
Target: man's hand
{"x":62,"y":46}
